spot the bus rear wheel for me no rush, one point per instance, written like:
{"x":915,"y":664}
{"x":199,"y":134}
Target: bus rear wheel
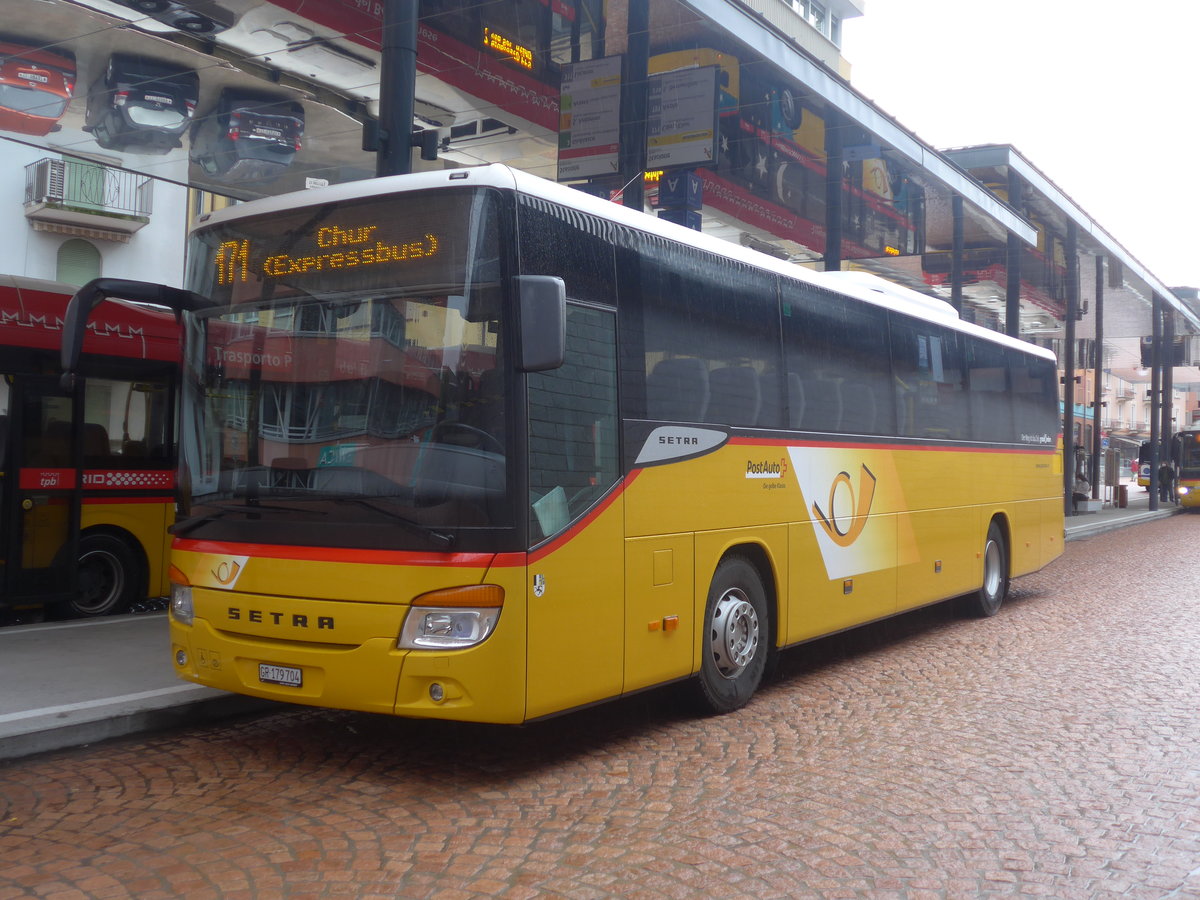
{"x":986,"y":601}
{"x":109,"y":576}
{"x":736,"y":637}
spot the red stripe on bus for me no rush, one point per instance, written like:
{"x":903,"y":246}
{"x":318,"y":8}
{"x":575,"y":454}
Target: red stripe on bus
{"x":33,"y":479}
{"x":547,"y":549}
{"x":350,"y":555}
{"x":885,"y":445}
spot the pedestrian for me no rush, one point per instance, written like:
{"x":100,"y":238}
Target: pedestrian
{"x":1166,"y":476}
{"x":1080,"y":492}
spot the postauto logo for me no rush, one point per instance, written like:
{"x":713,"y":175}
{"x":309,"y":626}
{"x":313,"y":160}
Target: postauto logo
{"x":766,"y":468}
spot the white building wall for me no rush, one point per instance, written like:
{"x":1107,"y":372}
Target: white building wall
{"x":154,"y":253}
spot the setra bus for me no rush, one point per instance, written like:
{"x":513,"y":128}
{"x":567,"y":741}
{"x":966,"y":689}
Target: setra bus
{"x":476,"y":446}
{"x":87,"y":477}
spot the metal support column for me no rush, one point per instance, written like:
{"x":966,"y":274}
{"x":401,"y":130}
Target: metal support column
{"x":1012,"y":289}
{"x":834,"y":192}
{"x":1156,"y":358}
{"x":1097,"y":378}
{"x":397,"y":87}
{"x":635,"y":90}
{"x":956,"y":253}
{"x":1168,"y":374}
{"x":1069,"y":365}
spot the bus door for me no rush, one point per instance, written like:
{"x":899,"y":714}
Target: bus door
{"x":576,"y":570}
{"x":38,"y":491}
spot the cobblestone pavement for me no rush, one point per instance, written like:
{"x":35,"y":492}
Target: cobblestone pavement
{"x":1051,"y":751}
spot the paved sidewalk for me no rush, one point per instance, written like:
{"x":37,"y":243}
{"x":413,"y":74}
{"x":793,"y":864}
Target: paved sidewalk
{"x":1137,"y":510}
{"x":72,"y":683}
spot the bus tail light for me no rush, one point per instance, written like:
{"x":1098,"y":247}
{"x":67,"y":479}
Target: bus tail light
{"x":181,"y":597}
{"x":452,"y":619}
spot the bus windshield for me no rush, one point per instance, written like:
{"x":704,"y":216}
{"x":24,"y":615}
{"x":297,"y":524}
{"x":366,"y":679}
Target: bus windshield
{"x":350,"y":390}
{"x":1189,"y":453}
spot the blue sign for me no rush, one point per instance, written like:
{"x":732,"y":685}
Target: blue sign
{"x":680,"y":190}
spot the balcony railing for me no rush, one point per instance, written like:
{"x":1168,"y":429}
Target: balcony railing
{"x":66,"y":195}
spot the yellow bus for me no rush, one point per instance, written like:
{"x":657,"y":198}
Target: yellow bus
{"x":471,"y":445}
{"x":87,"y":475}
{"x":1185,"y":460}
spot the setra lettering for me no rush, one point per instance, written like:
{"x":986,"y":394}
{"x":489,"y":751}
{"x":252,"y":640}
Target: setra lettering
{"x":298,"y":620}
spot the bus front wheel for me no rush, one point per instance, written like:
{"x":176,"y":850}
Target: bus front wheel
{"x":736,"y":637}
{"x":108,"y":576}
{"x":986,"y":601}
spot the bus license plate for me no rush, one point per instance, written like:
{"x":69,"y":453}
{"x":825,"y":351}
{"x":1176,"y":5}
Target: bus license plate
{"x":288,"y":676}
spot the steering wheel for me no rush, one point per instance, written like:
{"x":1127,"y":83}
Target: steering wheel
{"x":482,"y":438}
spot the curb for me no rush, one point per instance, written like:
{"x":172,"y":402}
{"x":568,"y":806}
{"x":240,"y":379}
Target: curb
{"x":140,"y":721}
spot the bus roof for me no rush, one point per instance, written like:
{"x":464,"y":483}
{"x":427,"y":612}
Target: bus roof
{"x":32,"y":310}
{"x":860,"y":285}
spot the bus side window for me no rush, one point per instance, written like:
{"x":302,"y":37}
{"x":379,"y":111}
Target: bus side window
{"x":931,"y":399}
{"x":990,"y":401}
{"x":697,"y":336}
{"x":841,"y":356}
{"x":573,"y":425}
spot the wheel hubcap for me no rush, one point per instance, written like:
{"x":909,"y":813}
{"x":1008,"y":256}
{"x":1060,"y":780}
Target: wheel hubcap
{"x":101,"y":581}
{"x":991,"y":569}
{"x":735,"y":633}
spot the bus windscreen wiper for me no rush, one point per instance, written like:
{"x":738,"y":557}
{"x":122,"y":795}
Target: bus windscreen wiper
{"x":250,"y":509}
{"x":440,"y":538}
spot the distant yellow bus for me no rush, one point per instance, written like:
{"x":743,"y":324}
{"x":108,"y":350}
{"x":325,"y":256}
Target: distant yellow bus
{"x":472,"y":445}
{"x":1185,"y":459}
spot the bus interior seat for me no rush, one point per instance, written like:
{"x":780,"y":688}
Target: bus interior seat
{"x":858,"y":408}
{"x":734,"y":396}
{"x":988,"y":402}
{"x":54,"y":447}
{"x":96,"y":447}
{"x":772,"y":409}
{"x":677,"y":390}
{"x":822,"y":404}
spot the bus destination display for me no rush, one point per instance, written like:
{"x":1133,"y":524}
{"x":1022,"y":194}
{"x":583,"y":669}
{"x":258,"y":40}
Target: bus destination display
{"x":336,"y":248}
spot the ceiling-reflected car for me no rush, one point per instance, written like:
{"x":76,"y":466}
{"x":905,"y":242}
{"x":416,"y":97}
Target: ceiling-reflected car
{"x":248,"y":136}
{"x":141,"y":104}
{"x":194,"y":16}
{"x":35,"y":87}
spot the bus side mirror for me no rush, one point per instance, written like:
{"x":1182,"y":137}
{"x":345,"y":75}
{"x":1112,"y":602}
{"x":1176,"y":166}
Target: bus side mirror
{"x":95,"y":292}
{"x":542,"y":310}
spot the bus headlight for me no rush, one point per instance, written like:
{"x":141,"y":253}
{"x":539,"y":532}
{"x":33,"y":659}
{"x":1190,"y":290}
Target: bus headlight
{"x":452,"y":619}
{"x":181,"y":604}
{"x":1183,"y":490}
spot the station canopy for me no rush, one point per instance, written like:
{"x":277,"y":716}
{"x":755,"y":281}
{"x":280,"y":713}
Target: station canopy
{"x":250,"y":98}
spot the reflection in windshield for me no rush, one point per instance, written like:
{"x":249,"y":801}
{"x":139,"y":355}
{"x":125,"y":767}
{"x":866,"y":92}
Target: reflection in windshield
{"x":317,"y":407}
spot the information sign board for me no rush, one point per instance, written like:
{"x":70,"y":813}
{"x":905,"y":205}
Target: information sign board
{"x":682,"y":119}
{"x":590,"y":118}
